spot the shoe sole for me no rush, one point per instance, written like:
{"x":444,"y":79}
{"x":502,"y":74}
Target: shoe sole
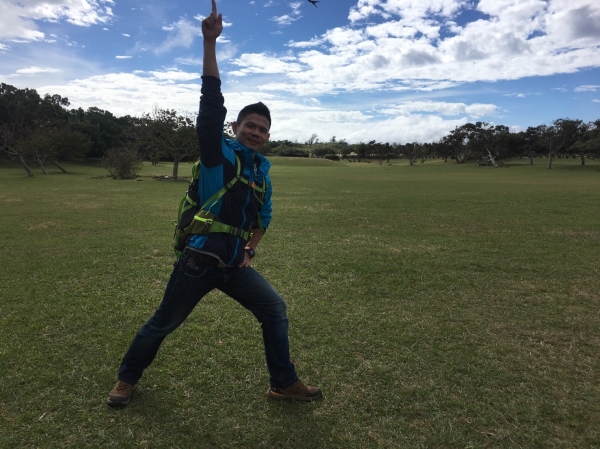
{"x":285,"y":397}
{"x":117,"y":403}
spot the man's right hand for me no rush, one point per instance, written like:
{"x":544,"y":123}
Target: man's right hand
{"x":212,"y":26}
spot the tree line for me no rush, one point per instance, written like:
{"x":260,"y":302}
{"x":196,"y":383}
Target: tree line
{"x":484,"y":143}
{"x":37,"y":131}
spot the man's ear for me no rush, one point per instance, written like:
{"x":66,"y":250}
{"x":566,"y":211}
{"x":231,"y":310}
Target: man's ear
{"x":234,"y":127}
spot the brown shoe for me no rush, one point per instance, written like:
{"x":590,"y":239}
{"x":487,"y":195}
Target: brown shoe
{"x":298,"y":392}
{"x":120,"y":395}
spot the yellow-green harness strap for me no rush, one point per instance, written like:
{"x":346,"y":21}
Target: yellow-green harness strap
{"x":191,"y":204}
{"x":211,"y":225}
{"x":219,"y":194}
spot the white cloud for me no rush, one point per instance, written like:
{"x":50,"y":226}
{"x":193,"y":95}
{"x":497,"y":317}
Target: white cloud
{"x":588,"y":88}
{"x":293,"y":118}
{"x":4,"y":47}
{"x":126,"y":35}
{"x":36,"y":70}
{"x":596,"y":101}
{"x":123,"y":57}
{"x":174,"y":75}
{"x":284,"y":20}
{"x":314,"y":42}
{"x":129,"y":93}
{"x":441,"y":108}
{"x":298,"y":122}
{"x":189,"y":61}
{"x":18,"y":19}
{"x":407,"y":8}
{"x":512,"y":39}
{"x":183,"y":33}
{"x":574,"y":21}
{"x":288,"y":19}
{"x":261,"y":63}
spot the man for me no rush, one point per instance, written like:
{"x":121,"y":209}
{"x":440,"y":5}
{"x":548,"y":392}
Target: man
{"x":222,"y":259}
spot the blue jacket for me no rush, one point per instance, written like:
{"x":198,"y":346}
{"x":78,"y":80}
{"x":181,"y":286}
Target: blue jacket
{"x":238,"y":207}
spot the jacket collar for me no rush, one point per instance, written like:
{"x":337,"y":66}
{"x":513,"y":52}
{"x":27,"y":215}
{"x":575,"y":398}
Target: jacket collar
{"x":247,"y":156}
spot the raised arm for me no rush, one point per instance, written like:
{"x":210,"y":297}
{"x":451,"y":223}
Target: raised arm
{"x":209,"y":124}
{"x":212,"y":26}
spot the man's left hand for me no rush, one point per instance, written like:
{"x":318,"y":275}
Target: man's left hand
{"x":246,"y":262}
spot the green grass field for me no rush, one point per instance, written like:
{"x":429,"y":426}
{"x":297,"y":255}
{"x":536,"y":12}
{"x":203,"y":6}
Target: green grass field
{"x":437,"y":306}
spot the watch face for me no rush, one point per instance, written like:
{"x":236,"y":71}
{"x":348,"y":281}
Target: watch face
{"x":251,"y":252}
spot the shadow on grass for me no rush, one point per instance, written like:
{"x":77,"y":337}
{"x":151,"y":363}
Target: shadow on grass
{"x":282,"y":423}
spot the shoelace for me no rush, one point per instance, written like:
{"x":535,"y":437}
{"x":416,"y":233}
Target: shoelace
{"x":122,"y":386}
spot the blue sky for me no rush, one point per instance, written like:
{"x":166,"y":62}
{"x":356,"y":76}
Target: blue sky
{"x":389,"y":70}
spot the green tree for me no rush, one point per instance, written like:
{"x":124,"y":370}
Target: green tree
{"x":414,"y":151}
{"x":173,"y":134}
{"x":589,"y":144}
{"x":24,"y":118}
{"x":441,"y":148}
{"x":322,"y":150}
{"x":491,"y":142}
{"x":529,"y":140}
{"x":460,"y":142}
{"x":104,"y":130}
{"x":577,"y":133}
{"x":561,"y":134}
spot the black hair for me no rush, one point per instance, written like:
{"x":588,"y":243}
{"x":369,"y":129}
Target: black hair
{"x":256,"y":108}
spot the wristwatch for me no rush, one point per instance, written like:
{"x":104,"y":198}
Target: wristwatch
{"x":251,"y":252}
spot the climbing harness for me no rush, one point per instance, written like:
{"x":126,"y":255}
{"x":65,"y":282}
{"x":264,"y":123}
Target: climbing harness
{"x":194,"y":220}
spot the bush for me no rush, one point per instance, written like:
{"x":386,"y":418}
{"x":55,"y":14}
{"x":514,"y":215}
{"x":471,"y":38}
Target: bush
{"x":332,"y":157}
{"x":122,"y":163}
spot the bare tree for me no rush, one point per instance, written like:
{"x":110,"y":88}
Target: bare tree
{"x":122,"y":163}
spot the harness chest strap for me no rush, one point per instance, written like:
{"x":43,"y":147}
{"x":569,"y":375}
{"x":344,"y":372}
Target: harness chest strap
{"x":209,"y":203}
{"x":211,"y":225}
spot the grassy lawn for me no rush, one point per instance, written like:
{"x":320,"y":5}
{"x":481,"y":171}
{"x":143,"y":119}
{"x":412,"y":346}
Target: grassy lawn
{"x":437,"y":306}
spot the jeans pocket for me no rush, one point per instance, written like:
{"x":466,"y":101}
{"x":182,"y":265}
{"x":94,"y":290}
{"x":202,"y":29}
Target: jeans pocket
{"x":192,"y":268}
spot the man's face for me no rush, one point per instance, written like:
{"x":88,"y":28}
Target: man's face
{"x":253,"y":132}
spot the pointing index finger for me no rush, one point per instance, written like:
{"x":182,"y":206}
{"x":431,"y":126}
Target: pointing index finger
{"x":214,"y":7}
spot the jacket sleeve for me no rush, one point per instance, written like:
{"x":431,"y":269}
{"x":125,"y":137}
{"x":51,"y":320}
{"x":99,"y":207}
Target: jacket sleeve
{"x":266,"y":210}
{"x":209,"y":124}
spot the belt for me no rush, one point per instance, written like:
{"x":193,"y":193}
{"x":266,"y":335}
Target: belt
{"x":211,"y":261}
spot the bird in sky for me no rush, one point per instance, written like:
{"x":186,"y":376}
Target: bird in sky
{"x":314,"y":2}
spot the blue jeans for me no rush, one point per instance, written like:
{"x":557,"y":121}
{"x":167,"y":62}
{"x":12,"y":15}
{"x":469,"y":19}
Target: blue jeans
{"x":190,"y":281}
